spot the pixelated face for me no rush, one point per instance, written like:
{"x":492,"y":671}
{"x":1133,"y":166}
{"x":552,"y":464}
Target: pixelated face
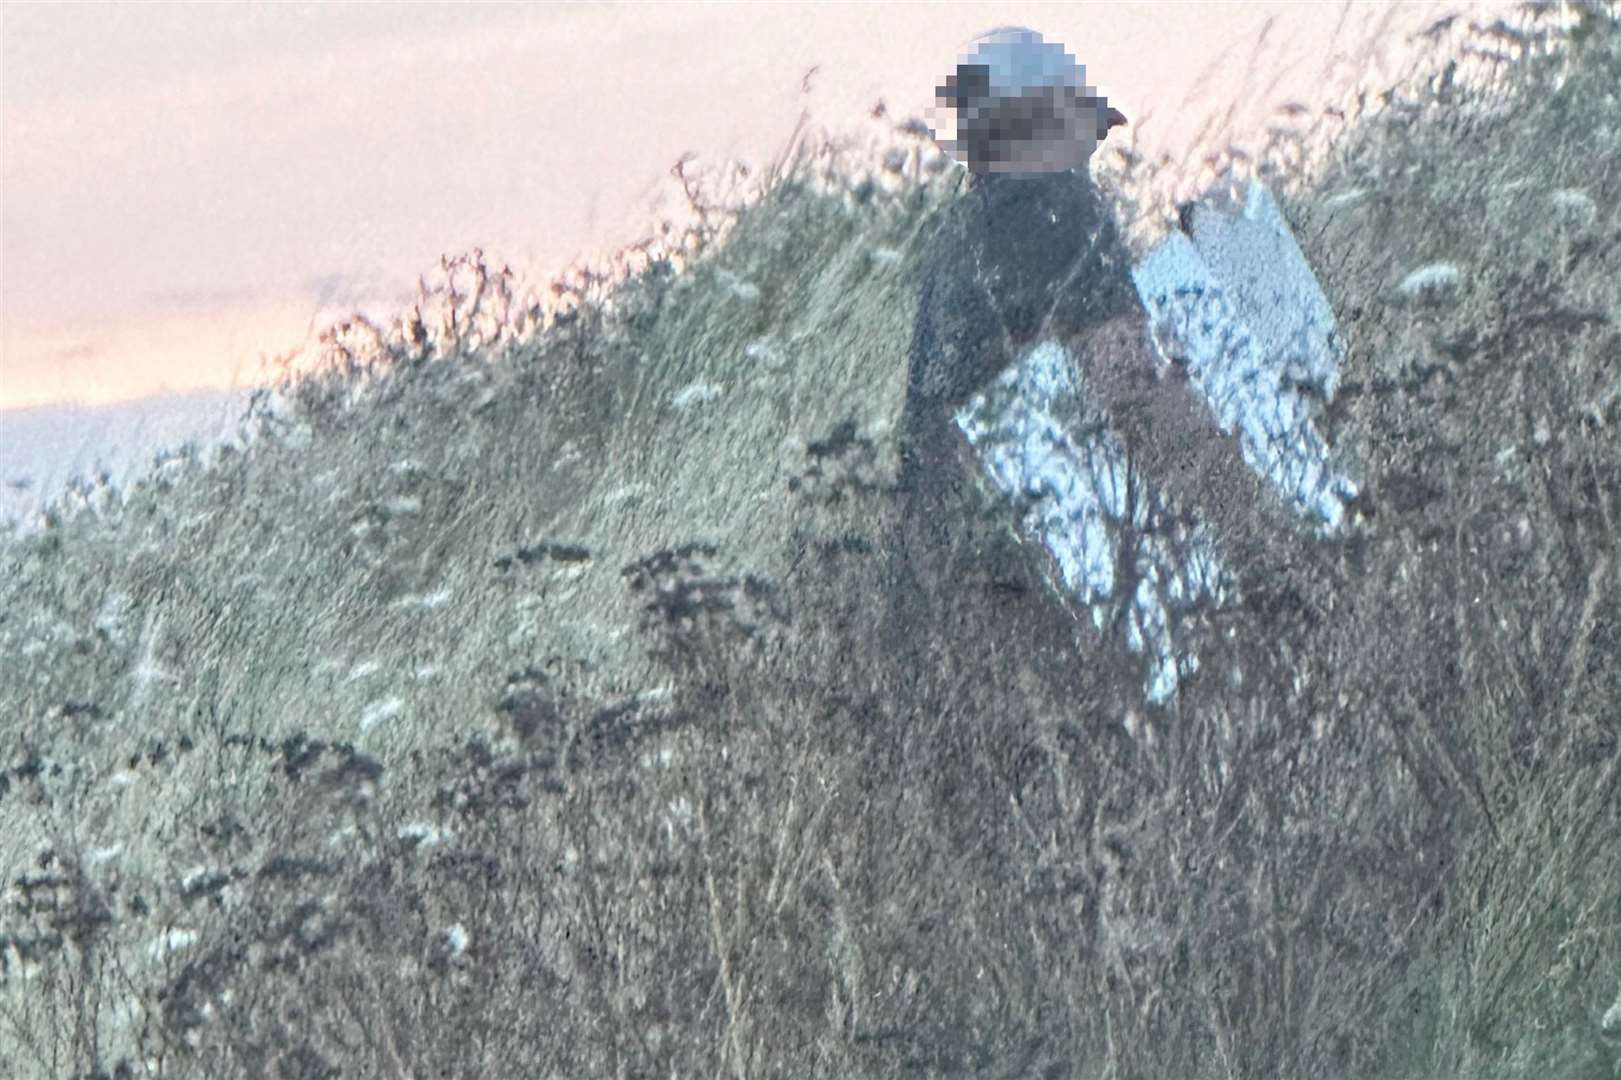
{"x":1021,"y":107}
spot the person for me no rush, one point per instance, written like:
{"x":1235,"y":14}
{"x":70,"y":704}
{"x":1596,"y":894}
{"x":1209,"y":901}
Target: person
{"x":1032,"y":247}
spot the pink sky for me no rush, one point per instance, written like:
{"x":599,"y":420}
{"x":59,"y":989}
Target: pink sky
{"x":187,"y":186}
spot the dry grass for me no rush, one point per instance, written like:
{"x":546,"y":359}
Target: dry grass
{"x":527,"y":702}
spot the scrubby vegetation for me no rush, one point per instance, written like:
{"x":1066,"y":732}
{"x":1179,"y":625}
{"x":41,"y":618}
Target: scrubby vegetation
{"x":526,"y":701}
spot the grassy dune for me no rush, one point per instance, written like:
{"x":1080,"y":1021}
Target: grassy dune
{"x":524,"y":701}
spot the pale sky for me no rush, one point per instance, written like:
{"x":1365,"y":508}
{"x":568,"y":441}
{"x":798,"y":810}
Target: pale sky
{"x":187,"y":186}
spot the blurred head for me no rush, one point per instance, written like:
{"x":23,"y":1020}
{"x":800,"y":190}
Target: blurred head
{"x":1021,"y":107}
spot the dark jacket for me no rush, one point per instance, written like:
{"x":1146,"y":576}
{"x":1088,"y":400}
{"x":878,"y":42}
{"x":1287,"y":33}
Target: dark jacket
{"x":1010,"y":252}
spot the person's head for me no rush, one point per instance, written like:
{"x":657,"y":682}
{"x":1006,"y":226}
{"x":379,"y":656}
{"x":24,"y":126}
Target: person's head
{"x":1022,"y":107}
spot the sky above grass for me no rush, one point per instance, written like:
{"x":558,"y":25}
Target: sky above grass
{"x":190,"y":187}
